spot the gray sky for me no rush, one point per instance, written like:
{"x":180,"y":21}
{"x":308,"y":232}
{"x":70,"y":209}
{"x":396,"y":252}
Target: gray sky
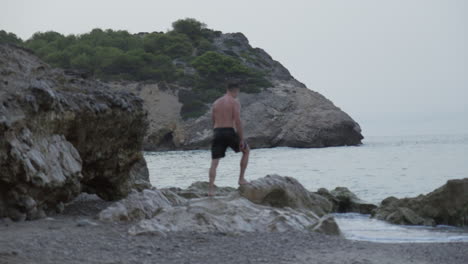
{"x":397,"y":67}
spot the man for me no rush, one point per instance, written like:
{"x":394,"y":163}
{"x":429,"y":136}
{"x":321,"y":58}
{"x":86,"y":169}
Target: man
{"x":228,"y":132}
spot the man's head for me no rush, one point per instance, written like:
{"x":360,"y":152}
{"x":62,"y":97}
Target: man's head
{"x":233,"y":88}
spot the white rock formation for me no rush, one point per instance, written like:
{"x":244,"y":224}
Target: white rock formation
{"x":160,"y":211}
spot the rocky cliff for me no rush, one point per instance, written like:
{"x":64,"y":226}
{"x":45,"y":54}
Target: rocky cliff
{"x":61,"y":134}
{"x":286,"y":113}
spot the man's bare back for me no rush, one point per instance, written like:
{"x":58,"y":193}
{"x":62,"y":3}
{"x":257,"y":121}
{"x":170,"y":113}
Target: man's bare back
{"x":223,"y":111}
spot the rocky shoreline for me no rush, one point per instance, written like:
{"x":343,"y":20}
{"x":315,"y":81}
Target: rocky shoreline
{"x":77,"y":235}
{"x":269,"y":204}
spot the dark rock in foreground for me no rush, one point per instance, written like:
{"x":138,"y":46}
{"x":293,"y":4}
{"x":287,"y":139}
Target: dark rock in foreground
{"x":278,"y":191}
{"x":60,"y":135}
{"x":345,"y":201}
{"x":447,"y":205}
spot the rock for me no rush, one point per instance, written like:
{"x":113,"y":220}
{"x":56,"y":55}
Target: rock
{"x":158,"y":212}
{"x":173,"y":197}
{"x":447,"y":205}
{"x":200,"y":189}
{"x":60,"y":135}
{"x":285,"y":114}
{"x":345,"y":201}
{"x":60,"y":207}
{"x":278,"y":191}
{"x":230,"y":214}
{"x":85,"y":222}
{"x":326,"y":225}
{"x":138,"y":205}
{"x":148,"y":227}
{"x":406,"y":216}
{"x":139,"y":175}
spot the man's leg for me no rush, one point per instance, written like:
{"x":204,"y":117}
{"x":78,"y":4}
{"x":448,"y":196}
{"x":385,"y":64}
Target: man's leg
{"x":212,"y":176}
{"x":243,"y":164}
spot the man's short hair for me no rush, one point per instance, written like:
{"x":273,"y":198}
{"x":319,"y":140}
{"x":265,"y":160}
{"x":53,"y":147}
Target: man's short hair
{"x":233,"y":85}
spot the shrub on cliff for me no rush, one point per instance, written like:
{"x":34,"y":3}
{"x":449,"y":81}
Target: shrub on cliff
{"x":216,"y":66}
{"x":6,"y":37}
{"x":190,"y":27}
{"x":173,"y":45}
{"x":216,"y":69}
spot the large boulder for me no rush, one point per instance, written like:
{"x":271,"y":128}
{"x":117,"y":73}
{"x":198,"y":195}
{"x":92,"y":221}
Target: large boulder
{"x":232,"y":214}
{"x":140,"y":205}
{"x":345,"y":201}
{"x":61,"y":134}
{"x":155,"y":212}
{"x":279,"y":191}
{"x":447,"y":205}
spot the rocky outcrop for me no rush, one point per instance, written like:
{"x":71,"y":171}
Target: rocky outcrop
{"x":278,"y":191}
{"x":232,"y":214}
{"x":447,"y":205}
{"x":199,"y":189}
{"x":139,"y":205}
{"x":345,"y":201}
{"x":61,"y":134}
{"x":285,"y":114}
{"x":160,"y":211}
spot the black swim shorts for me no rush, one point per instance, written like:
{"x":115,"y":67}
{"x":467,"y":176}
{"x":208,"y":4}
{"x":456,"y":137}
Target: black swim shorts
{"x":224,"y":137}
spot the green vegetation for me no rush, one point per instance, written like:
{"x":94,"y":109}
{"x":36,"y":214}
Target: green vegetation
{"x":161,"y":57}
{"x":6,"y":37}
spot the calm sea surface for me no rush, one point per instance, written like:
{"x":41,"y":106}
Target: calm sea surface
{"x":381,"y":167}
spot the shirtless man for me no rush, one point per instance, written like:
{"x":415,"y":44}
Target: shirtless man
{"x":226,"y":117}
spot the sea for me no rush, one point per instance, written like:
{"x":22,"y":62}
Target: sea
{"x":383,"y":166}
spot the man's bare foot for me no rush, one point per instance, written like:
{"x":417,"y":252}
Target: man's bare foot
{"x":243,"y":182}
{"x":211,"y":191}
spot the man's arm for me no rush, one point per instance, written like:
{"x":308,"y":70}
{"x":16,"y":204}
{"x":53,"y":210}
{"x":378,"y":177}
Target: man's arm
{"x":213,"y":114}
{"x":238,"y":122}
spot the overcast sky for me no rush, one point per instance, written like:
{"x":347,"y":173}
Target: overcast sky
{"x":397,"y":67}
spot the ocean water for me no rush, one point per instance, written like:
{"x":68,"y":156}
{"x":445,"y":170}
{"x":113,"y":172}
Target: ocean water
{"x":400,"y":166}
{"x":363,"y":228}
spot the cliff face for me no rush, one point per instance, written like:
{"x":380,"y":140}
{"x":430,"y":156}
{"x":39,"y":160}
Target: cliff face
{"x":285,"y":114}
{"x":61,"y":134}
